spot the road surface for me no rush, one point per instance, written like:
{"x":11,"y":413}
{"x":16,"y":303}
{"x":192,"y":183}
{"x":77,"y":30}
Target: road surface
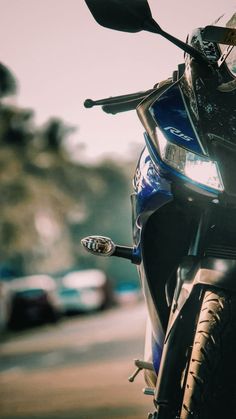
{"x":77,"y":369}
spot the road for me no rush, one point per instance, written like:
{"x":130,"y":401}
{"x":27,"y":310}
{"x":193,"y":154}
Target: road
{"x":77,"y":369}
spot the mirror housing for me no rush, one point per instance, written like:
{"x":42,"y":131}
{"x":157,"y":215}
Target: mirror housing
{"x":220,"y":35}
{"x":123,"y":15}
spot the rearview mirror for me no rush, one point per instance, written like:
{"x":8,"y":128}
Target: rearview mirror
{"x":123,"y":15}
{"x":220,"y":35}
{"x":134,"y":16}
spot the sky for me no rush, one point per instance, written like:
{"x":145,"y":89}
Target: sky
{"x":61,"y":56}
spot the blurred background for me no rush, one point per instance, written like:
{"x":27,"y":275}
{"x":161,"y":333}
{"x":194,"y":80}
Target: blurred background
{"x":71,"y":324}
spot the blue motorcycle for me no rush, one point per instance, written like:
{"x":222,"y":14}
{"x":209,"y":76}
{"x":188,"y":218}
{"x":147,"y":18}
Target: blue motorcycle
{"x":184,"y":217}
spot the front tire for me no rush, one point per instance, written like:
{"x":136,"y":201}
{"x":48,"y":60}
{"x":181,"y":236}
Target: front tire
{"x":210,"y":381}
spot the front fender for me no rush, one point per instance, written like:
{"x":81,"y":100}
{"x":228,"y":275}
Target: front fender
{"x":220,"y":273}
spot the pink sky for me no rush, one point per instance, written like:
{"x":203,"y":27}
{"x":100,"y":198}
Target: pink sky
{"x":61,"y":56}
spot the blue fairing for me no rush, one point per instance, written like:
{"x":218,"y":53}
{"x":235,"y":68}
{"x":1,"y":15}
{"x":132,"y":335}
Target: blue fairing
{"x":150,"y":185}
{"x":171,"y":115}
{"x":152,"y":191}
{"x":156,"y":355}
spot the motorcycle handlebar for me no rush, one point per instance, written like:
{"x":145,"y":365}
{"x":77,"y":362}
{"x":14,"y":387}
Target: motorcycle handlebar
{"x":118,"y":104}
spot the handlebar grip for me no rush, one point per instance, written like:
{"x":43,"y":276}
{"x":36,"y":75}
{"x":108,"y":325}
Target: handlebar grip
{"x":89,"y":103}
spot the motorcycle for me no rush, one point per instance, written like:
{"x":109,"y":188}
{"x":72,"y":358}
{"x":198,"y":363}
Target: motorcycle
{"x":184,"y":217}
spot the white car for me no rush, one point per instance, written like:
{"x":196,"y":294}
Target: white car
{"x":84,"y":291}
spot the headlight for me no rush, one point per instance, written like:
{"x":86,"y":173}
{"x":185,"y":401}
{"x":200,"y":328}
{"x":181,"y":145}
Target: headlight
{"x":198,"y":168}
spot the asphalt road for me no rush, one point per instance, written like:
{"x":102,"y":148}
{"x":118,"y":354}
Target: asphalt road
{"x":77,"y":369}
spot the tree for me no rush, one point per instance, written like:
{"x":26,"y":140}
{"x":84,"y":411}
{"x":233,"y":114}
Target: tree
{"x":8,"y":84}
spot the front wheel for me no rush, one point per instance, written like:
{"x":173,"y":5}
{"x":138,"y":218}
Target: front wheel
{"x":210,"y":378}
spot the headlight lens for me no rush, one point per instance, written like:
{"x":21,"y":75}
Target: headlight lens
{"x":198,"y":168}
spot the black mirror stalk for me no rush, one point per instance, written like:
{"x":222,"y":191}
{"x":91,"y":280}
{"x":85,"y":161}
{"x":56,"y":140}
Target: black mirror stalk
{"x":152,"y":26}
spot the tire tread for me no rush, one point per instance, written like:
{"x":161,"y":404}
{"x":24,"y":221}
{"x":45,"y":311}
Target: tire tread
{"x":212,"y":365}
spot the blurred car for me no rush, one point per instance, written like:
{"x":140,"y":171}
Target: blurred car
{"x":128,"y":293}
{"x":33,"y":301}
{"x":85,"y":291}
{"x":4,"y":305}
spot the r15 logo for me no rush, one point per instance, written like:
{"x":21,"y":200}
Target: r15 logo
{"x":178,"y":133}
